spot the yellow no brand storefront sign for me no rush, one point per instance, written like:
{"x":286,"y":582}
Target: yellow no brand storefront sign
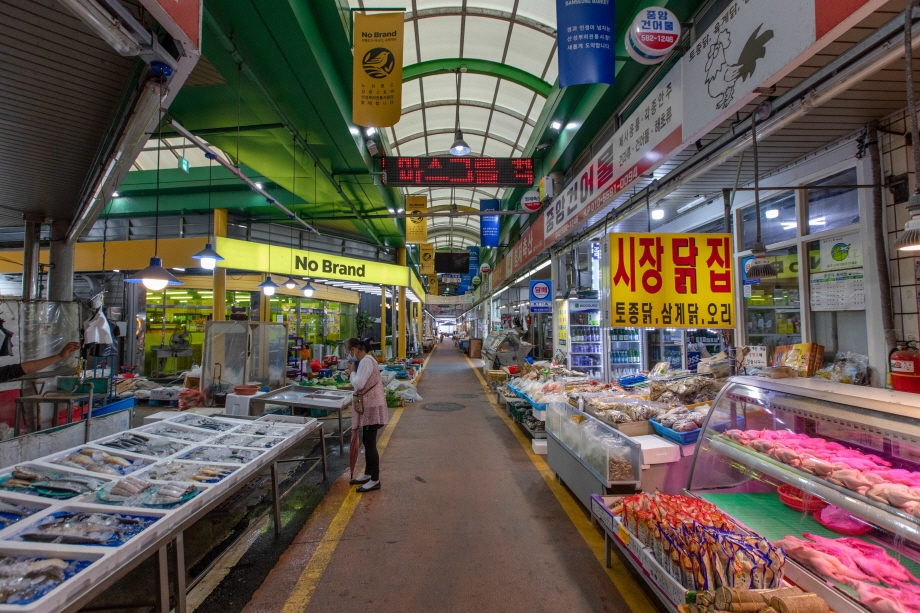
{"x":244,"y":255}
{"x":671,"y":280}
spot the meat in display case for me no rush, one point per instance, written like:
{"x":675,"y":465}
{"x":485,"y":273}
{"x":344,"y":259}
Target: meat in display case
{"x":828,"y":472}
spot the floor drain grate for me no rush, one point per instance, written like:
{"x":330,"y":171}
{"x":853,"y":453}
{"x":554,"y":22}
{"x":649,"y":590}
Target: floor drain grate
{"x":442,"y":406}
{"x":466,"y":395}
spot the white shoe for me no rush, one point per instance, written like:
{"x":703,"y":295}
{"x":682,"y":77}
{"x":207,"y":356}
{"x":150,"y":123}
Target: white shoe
{"x":360,"y":480}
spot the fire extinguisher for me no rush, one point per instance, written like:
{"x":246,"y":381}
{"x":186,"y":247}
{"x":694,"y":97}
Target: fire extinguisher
{"x":904,"y":366}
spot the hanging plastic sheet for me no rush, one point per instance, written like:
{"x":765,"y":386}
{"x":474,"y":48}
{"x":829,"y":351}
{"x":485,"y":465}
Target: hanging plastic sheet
{"x":226,"y":347}
{"x":269,"y":354}
{"x":41,"y":329}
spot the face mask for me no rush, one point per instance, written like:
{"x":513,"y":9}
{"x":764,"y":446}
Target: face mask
{"x":352,"y":358}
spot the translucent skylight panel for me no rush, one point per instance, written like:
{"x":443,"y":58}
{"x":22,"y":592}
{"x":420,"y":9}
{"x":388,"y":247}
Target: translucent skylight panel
{"x":504,"y":126}
{"x":525,"y":136}
{"x":543,"y":11}
{"x":473,"y":116}
{"x":409,"y":124}
{"x":439,"y":38}
{"x":475,"y":142}
{"x":409,"y":55}
{"x":441,"y":193}
{"x":497,"y":149}
{"x":440,"y":142}
{"x":552,"y":71}
{"x":441,"y":87}
{"x":514,"y":97}
{"x":441,"y":117}
{"x":477,"y":87}
{"x":413,"y":148}
{"x":485,"y":38}
{"x":499,"y":5}
{"x":529,"y":50}
{"x":411,"y":94}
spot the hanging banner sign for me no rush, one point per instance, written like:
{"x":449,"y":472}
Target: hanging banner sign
{"x":489,"y":224}
{"x":648,"y":138}
{"x":377,"y":69}
{"x":433,"y":284}
{"x":531,"y":200}
{"x":541,"y":296}
{"x":586,"y":38}
{"x":653,"y":34}
{"x":670,"y":280}
{"x":474,"y":262}
{"x":450,"y":278}
{"x":416,"y":227}
{"x":447,"y":300}
{"x":426,"y":255}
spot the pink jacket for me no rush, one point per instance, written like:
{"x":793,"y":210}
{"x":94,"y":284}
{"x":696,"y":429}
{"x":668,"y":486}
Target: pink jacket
{"x":375,"y":401}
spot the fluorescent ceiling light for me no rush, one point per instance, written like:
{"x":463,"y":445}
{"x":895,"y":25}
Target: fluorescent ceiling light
{"x":179,"y":269}
{"x":771,"y":213}
{"x":788,"y":225}
{"x":114,"y":194}
{"x":401,"y":210}
{"x":258,"y":185}
{"x":354,"y":130}
{"x":556,"y":125}
{"x":692,"y":204}
{"x":817,"y":221}
{"x":370,"y":131}
{"x":658,"y":213}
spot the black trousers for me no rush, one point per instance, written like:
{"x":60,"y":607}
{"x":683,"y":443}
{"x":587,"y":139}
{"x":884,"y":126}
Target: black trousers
{"x":371,"y":455}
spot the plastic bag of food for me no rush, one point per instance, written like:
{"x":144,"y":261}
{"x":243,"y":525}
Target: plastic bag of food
{"x":777,"y":372}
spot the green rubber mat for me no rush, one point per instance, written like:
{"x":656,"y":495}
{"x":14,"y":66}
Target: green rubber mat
{"x":765,"y":514}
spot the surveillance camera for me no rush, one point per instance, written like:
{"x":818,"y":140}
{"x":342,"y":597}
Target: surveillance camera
{"x":371,"y":146}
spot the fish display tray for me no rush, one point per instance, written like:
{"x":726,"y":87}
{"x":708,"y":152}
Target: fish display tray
{"x":126,"y":526}
{"x":86,"y":566}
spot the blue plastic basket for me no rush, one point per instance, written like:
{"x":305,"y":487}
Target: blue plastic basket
{"x":689,"y":438}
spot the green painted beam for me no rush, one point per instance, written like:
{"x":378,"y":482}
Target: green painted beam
{"x":474,"y":66}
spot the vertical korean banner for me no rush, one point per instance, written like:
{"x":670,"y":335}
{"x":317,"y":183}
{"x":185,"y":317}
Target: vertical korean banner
{"x":585,"y":35}
{"x":433,"y":284}
{"x":416,"y":227}
{"x":474,"y":261}
{"x":377,"y":69}
{"x":488,"y":224}
{"x":672,"y":280}
{"x":426,"y":255}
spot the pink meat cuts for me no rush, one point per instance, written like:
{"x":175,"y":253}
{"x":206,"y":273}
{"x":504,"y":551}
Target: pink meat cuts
{"x":831,"y":562}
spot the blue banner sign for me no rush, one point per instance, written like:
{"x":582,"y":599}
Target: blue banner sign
{"x":586,"y":37}
{"x":541,"y":296}
{"x":474,"y":263}
{"x":488,"y":224}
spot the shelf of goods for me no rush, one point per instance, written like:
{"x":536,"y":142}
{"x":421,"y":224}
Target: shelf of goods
{"x":76,"y":521}
{"x":831,"y":474}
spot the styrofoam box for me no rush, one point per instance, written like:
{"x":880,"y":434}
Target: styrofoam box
{"x":539,"y":446}
{"x":657,"y":450}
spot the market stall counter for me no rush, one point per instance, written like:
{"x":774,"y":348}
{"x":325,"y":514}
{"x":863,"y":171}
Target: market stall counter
{"x":311,"y":399}
{"x":76,"y":521}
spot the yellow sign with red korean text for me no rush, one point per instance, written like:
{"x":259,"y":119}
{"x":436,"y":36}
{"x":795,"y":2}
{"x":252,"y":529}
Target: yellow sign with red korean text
{"x":671,"y":280}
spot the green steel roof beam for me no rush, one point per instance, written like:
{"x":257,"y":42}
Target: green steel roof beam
{"x":483,"y":67}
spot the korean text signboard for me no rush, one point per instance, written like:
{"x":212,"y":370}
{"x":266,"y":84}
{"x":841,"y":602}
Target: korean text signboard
{"x":489,"y":224}
{"x":587,"y":41}
{"x":541,"y":296}
{"x":426,"y":254}
{"x":377,"y":69}
{"x":671,"y":280}
{"x":416,"y":227}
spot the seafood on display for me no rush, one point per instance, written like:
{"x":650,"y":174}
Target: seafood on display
{"x":26,"y":579}
{"x":189,"y":473}
{"x":171,"y":493}
{"x":155,"y":445}
{"x":131,"y":491}
{"x":86,"y":528}
{"x":11,"y":512}
{"x":179,"y":433}
{"x":101,"y":462}
{"x":197,"y":421}
{"x":243,"y":440}
{"x":265,"y":429}
{"x":222,"y":454}
{"x":27,"y":480}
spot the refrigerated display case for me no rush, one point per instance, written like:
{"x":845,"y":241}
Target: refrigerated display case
{"x":664,"y":345}
{"x":625,"y":350}
{"x":586,"y":341}
{"x":828,"y":471}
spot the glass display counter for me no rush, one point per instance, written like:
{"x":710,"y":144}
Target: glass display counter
{"x":827,"y":471}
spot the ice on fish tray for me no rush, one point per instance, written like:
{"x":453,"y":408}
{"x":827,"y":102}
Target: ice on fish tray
{"x":26,"y":579}
{"x":155,"y":445}
{"x":188,"y":473}
{"x":243,"y":440}
{"x":101,"y":462}
{"x":197,"y":421}
{"x":25,"y":479}
{"x":179,"y":433}
{"x":11,"y":512}
{"x":79,"y":528}
{"x":266,"y":429}
{"x":222,"y":454}
{"x":134,"y":492}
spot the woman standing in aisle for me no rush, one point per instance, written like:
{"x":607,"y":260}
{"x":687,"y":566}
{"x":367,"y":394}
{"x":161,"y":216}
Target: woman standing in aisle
{"x":365,"y":378}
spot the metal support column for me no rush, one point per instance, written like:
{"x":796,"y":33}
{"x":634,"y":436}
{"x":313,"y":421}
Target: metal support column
{"x":383,"y":320}
{"x":401,"y":309}
{"x":33,"y":228}
{"x":219,"y":298}
{"x":60,"y":281}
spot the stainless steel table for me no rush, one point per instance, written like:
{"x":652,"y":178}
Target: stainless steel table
{"x":308,"y":398}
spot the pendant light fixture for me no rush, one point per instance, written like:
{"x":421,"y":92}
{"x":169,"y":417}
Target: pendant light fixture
{"x":268,"y":286}
{"x":761,"y":267}
{"x":155,"y":277}
{"x":291,"y":283}
{"x":459,"y":147}
{"x":307,"y":288}
{"x":910,"y":238}
{"x":207,"y":256}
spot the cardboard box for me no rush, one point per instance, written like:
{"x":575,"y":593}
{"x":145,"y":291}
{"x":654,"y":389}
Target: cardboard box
{"x":656,"y":450}
{"x":806,"y":358}
{"x":636,"y":428}
{"x":475,"y":348}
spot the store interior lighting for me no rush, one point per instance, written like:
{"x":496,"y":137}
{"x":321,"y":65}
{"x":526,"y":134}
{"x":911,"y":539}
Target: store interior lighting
{"x":658,"y":213}
{"x":526,"y":276}
{"x":370,"y":132}
{"x":699,"y":198}
{"x":268,"y":286}
{"x":308,"y":290}
{"x":817,"y":221}
{"x":556,"y":125}
{"x":771,"y":213}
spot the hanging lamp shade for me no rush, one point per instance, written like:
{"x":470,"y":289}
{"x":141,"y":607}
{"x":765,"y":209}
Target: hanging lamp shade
{"x":155,"y":277}
{"x":290,"y":283}
{"x":208,"y":257}
{"x":761,"y":267}
{"x":308,"y":290}
{"x":459,"y":147}
{"x":268,"y":286}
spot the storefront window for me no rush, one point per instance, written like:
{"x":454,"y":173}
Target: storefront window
{"x":347,"y":316}
{"x":777,"y":220}
{"x":284,"y":311}
{"x":832,"y":207}
{"x":837,"y":296}
{"x":772,"y":307}
{"x":178,"y":319}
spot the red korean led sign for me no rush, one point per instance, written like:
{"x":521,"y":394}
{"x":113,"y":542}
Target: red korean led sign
{"x":458,"y":171}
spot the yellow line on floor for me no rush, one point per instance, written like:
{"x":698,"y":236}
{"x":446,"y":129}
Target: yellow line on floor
{"x":309,"y":578}
{"x":632,"y":593}
{"x":424,"y":366}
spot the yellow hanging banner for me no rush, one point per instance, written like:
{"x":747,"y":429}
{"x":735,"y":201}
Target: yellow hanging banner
{"x":377,"y":69}
{"x":433,"y":284}
{"x":427,"y":257}
{"x":416,"y":227}
{"x":671,"y":280}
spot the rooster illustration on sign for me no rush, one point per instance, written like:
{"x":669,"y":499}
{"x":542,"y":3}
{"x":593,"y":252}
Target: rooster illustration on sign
{"x":721,"y":76}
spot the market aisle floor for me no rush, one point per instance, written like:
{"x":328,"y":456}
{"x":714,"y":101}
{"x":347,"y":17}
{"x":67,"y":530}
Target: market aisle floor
{"x":464,"y":522}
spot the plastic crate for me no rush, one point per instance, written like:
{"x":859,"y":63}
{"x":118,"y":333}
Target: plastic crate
{"x":319,"y":413}
{"x":689,"y":438}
